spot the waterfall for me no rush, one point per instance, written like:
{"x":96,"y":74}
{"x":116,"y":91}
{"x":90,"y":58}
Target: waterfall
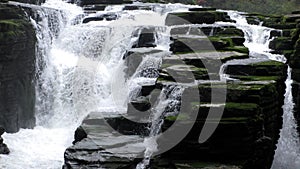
{"x":80,"y":68}
{"x":257,"y":38}
{"x":287,"y":154}
{"x":168,"y":103}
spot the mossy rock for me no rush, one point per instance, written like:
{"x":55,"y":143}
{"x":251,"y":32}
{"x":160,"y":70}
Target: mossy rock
{"x":266,"y":68}
{"x":241,"y":92}
{"x":194,"y":43}
{"x":198,"y":17}
{"x":282,"y":25}
{"x":282,"y":43}
{"x":291,"y":18}
{"x":10,"y":12}
{"x":241,"y":49}
{"x":183,"y":73}
{"x":230,"y":32}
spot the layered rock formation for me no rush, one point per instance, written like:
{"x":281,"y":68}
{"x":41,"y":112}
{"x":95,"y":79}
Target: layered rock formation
{"x":252,"y":115}
{"x":286,"y":42}
{"x":17,"y":69}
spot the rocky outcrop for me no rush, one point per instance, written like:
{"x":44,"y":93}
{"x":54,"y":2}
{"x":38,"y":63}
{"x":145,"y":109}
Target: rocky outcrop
{"x":287,"y":42}
{"x":17,"y":67}
{"x":252,"y":115}
{"x":196,"y":17}
{"x":3,"y":147}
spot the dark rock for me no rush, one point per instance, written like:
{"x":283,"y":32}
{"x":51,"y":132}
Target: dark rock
{"x":282,"y":43}
{"x":146,"y":38}
{"x":4,"y":149}
{"x":131,"y":8}
{"x":107,"y":16}
{"x":80,"y":134}
{"x":202,"y":9}
{"x":93,"y":2}
{"x":17,"y":69}
{"x":296,"y":12}
{"x":135,"y":7}
{"x":208,"y":17}
{"x":196,"y":44}
{"x":104,"y":147}
{"x":133,"y":60}
{"x":89,"y":19}
{"x":2,"y":130}
{"x":94,"y":7}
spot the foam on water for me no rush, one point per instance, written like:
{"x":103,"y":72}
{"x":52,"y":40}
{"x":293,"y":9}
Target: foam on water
{"x":79,"y":70}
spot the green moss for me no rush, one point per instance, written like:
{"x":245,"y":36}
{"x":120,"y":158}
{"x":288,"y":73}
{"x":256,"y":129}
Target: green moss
{"x":241,"y":49}
{"x":244,"y":56}
{"x":178,"y":117}
{"x":11,"y":24}
{"x":241,"y":106}
{"x":269,"y":63}
{"x":257,"y":78}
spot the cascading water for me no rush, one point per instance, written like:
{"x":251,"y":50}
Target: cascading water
{"x":77,"y":69}
{"x":168,"y":103}
{"x":287,"y":155}
{"x":80,"y":69}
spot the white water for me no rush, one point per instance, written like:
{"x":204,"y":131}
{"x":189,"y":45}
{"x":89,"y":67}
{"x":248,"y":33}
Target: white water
{"x":170,"y":98}
{"x":79,"y":70}
{"x":287,"y":154}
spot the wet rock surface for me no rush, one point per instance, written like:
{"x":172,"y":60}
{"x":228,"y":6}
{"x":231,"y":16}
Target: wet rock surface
{"x":288,"y":43}
{"x":3,"y":147}
{"x":17,"y":69}
{"x":252,"y":115}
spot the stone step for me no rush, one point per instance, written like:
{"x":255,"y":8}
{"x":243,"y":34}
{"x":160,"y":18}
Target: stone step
{"x":103,"y":146}
{"x":197,"y":17}
{"x":94,"y":2}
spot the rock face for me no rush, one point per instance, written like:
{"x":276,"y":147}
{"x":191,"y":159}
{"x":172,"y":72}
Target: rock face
{"x":287,"y":42}
{"x":17,"y":67}
{"x":252,"y":115}
{"x":3,"y":147}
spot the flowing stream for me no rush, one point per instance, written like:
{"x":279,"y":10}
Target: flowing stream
{"x":80,"y":69}
{"x":287,"y":154}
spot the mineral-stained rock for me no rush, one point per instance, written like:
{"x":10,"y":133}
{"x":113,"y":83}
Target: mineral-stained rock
{"x":17,"y":67}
